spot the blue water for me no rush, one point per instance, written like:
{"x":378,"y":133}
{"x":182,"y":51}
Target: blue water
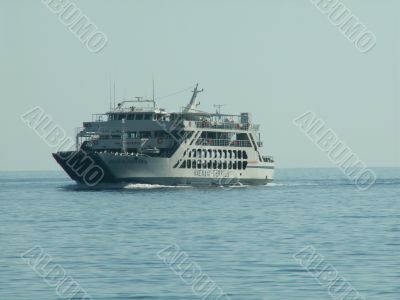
{"x":244,"y":239}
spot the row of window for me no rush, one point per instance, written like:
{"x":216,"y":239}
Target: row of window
{"x":214,"y":164}
{"x":224,"y":154}
{"x":137,"y":117}
{"x":139,"y":134}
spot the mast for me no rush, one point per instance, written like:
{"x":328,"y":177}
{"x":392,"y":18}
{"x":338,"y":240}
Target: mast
{"x":192,"y":104}
{"x":219,"y":106}
{"x":154,"y":94}
{"x":114,"y":94}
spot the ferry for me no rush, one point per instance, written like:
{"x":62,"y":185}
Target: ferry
{"x":139,"y":142}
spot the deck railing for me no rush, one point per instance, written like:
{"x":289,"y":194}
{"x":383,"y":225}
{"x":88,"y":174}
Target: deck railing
{"x":223,"y":143}
{"x":231,"y":126}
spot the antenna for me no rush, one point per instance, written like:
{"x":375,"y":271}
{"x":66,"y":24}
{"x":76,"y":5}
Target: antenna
{"x":219,"y":106}
{"x":110,"y":96}
{"x":114,"y":94}
{"x":154,"y":93}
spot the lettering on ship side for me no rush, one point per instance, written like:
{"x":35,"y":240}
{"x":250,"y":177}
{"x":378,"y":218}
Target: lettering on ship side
{"x":211,"y":173}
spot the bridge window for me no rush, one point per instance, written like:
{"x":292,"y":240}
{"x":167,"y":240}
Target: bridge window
{"x":148,"y":116}
{"x":189,"y":164}
{"x":131,"y":117}
{"x":139,"y":117}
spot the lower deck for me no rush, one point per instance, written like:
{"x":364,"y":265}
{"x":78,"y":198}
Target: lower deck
{"x":92,"y":168}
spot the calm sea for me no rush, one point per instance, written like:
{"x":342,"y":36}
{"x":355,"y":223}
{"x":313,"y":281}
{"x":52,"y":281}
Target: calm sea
{"x":244,"y":239}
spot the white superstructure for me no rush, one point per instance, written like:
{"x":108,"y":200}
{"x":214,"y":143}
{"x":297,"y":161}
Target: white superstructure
{"x":139,"y":142}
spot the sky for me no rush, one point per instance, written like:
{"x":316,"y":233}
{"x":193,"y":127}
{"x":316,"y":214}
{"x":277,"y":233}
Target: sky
{"x":275,"y":58}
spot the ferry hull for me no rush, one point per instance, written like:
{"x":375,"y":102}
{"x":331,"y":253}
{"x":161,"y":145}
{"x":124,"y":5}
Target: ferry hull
{"x":82,"y":166}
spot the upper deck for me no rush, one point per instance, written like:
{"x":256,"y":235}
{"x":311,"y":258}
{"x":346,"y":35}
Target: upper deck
{"x":151,"y":118}
{"x":140,"y":123}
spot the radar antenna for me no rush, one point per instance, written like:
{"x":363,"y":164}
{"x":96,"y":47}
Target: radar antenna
{"x":218,"y":107}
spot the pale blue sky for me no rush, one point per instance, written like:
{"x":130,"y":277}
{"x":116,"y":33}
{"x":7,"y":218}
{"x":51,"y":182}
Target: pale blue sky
{"x":275,"y":58}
